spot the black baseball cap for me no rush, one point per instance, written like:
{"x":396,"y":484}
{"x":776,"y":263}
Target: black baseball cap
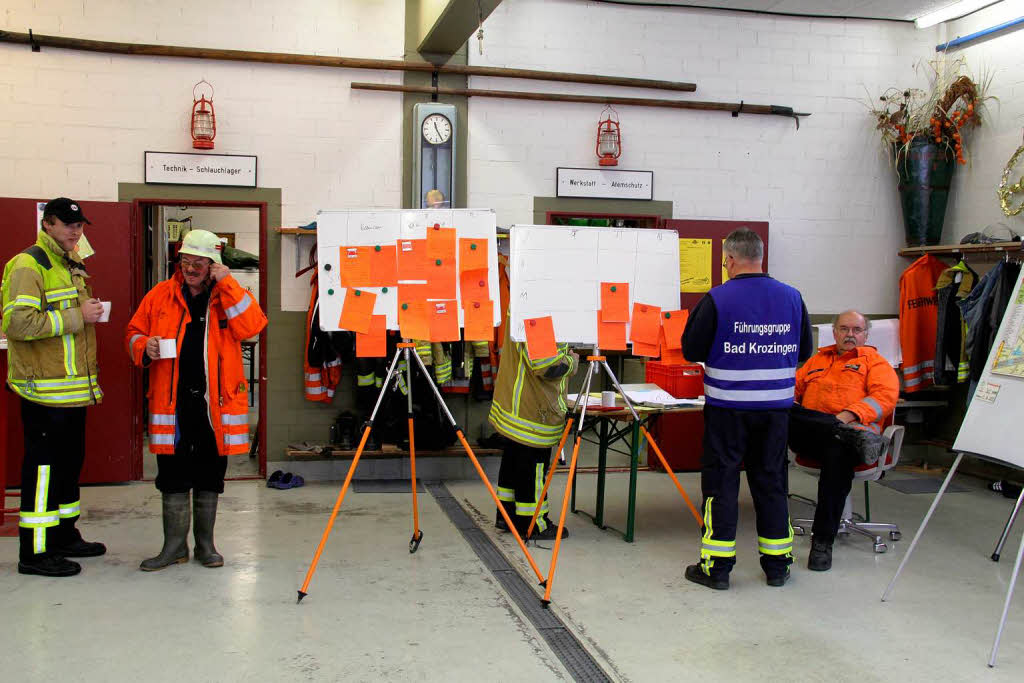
{"x":68,"y":210}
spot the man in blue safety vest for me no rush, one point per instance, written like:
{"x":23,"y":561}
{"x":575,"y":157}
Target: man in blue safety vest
{"x":751,"y":332}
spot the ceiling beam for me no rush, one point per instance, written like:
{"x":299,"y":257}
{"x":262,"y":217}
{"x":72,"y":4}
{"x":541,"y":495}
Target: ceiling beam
{"x":446,"y":25}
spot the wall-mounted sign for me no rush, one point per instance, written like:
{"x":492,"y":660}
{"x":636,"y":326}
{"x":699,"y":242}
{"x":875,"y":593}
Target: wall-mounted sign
{"x":200,"y":169}
{"x":599,"y":183}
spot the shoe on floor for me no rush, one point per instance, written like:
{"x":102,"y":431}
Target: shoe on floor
{"x":864,"y":442}
{"x":548,"y":534}
{"x":695,"y":574}
{"x":76,"y":546}
{"x":499,"y":523}
{"x":820,"y":557}
{"x":274,"y":478}
{"x":780,"y":580}
{"x":49,"y":565}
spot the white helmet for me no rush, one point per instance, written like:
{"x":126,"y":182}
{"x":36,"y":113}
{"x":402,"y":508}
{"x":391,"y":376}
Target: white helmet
{"x":202,"y":243}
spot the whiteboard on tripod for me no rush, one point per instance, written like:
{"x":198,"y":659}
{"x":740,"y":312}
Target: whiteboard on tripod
{"x":988,"y":427}
{"x":557,"y":271}
{"x":393,"y":230}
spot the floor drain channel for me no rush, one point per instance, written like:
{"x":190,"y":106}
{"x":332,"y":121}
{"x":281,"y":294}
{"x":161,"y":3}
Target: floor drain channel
{"x":580,"y":664}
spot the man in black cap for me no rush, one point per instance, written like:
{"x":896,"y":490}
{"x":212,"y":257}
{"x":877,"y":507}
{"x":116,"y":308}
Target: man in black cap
{"x":49,"y":317}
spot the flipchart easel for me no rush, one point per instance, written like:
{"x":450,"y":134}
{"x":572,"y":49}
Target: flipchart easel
{"x":984,"y":430}
{"x":335,"y":232}
{"x":558,"y":272}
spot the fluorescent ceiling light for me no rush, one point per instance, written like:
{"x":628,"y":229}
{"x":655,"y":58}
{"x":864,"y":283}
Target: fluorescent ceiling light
{"x":953,"y":11}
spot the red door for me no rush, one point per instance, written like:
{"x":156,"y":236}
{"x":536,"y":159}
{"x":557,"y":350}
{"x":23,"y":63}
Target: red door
{"x":109,"y":432}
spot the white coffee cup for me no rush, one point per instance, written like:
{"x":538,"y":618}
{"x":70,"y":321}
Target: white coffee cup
{"x":105,"y":315}
{"x":168,"y":348}
{"x":607,"y":399}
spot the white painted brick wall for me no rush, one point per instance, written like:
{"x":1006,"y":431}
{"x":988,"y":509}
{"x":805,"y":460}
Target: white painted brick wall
{"x":973,"y":202}
{"x":77,"y":123}
{"x":826,"y":189}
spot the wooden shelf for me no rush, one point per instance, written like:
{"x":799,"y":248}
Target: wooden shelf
{"x":294,"y":231}
{"x":961,"y":249}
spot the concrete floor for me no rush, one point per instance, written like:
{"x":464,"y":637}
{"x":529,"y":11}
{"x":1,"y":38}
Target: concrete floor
{"x":375,"y":612}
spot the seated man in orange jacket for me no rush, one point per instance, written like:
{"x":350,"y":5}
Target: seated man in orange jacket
{"x":844,"y":394}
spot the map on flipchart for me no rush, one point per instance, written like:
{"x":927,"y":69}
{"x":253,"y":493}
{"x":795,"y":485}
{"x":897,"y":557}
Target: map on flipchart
{"x":1010,"y":355}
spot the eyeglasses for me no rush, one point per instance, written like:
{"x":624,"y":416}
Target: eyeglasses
{"x":193,"y":265}
{"x":851,"y":330}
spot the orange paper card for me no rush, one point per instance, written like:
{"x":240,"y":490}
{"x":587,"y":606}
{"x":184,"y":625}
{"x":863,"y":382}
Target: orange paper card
{"x":615,"y":302}
{"x":440,"y":243}
{"x":413,"y":321}
{"x":646,"y":324}
{"x":540,"y":338}
{"x":610,"y":336}
{"x":383,"y":266}
{"x":412,"y":259}
{"x":641,"y":349}
{"x":444,"y":321}
{"x":374,"y":343}
{"x":441,"y":279}
{"x":355,"y":266}
{"x":357,"y":311}
{"x":472,"y":254}
{"x":473,"y":286}
{"x":674,"y":322}
{"x":479,"y":321}
{"x":672,"y":356}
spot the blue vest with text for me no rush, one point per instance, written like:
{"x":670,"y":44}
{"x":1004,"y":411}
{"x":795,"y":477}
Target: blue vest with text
{"x":753,"y":359}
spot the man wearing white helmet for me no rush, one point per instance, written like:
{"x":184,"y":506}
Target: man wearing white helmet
{"x":198,"y":396}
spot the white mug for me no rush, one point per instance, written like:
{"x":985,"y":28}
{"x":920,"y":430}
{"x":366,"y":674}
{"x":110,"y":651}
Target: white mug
{"x":168,"y":348}
{"x":607,"y":399}
{"x":105,"y":315}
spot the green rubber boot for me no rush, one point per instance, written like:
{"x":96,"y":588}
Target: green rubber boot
{"x":175,"y":550}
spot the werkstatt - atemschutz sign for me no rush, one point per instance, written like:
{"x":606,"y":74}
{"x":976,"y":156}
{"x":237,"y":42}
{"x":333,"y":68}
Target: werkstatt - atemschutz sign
{"x":599,"y":183}
{"x":200,"y":169}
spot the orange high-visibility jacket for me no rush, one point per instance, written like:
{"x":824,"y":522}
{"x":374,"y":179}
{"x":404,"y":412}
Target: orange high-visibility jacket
{"x":233,"y":316}
{"x":319,"y":382}
{"x":861,"y":381}
{"x":919,"y":313}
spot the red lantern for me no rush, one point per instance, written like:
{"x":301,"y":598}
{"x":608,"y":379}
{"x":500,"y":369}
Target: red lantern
{"x":609,"y":138}
{"x":204,"y":121}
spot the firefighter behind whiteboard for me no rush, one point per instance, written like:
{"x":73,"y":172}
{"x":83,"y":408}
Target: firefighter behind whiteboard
{"x":188,"y":332}
{"x":750,"y":331}
{"x":49,"y":317}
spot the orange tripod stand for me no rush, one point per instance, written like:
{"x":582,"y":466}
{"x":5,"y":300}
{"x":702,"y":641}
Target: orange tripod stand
{"x":407,"y":352}
{"x":592,"y":369}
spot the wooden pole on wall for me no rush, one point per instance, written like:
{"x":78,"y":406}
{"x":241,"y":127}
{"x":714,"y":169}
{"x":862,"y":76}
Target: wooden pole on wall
{"x":733,"y":108}
{"x":37,"y":41}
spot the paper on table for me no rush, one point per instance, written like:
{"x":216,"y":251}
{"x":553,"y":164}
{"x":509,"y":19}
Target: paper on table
{"x":592,"y":401}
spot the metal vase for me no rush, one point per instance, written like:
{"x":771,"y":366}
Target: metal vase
{"x":925,"y":170}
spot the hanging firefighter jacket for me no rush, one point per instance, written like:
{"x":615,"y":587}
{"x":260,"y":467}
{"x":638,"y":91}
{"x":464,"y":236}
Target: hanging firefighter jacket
{"x":951,"y":366}
{"x":918,"y":320}
{"x":983,"y":312}
{"x":322,"y":364}
{"x":470,"y":361}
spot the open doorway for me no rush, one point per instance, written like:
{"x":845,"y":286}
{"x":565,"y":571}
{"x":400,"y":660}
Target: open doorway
{"x":242,"y":226}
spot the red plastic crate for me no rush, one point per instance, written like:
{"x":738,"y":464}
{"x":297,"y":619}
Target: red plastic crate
{"x":682,"y":381}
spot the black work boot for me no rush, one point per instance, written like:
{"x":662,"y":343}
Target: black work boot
{"x":175,"y":550}
{"x":777,"y":580}
{"x":499,"y":522}
{"x":48,"y":564}
{"x":864,"y":442}
{"x":695,"y":574}
{"x":72,"y":544}
{"x":204,"y":514}
{"x":820,"y":557}
{"x":549,"y":532}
